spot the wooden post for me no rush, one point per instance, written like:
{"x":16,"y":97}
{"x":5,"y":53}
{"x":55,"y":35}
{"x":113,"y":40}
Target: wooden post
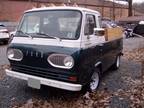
{"x":121,"y":12}
{"x":37,"y":4}
{"x":86,"y":3}
{"x":142,"y":71}
{"x":103,"y":10}
{"x":113,"y":10}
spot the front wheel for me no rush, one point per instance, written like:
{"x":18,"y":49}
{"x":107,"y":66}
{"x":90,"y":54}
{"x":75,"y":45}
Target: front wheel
{"x":94,"y":83}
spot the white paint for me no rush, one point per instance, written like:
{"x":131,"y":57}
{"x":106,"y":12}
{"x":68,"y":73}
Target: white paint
{"x":2,"y":30}
{"x":82,"y":42}
{"x":61,"y":8}
{"x":4,"y":35}
{"x":44,"y":81}
{"x":49,"y":42}
{"x":141,"y":22}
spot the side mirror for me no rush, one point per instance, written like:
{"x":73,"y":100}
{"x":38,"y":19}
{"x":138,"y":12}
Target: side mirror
{"x":99,"y":31}
{"x":13,"y":33}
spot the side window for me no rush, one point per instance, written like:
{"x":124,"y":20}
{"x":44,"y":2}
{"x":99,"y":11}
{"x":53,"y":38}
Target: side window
{"x":90,"y":24}
{"x":100,"y":21}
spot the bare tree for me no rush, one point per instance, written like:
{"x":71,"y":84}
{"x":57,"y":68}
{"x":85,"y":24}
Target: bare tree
{"x":139,"y":7}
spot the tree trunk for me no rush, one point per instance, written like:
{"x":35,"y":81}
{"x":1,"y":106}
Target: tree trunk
{"x":130,"y":8}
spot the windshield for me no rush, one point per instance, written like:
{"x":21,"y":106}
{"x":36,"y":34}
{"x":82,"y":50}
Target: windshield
{"x":57,"y":23}
{"x":2,"y":27}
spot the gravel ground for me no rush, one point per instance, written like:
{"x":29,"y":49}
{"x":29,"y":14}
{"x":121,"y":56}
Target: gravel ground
{"x":110,"y":94}
{"x":133,"y":43}
{"x":3,"y":58}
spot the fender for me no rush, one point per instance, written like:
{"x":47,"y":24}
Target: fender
{"x":99,"y":65}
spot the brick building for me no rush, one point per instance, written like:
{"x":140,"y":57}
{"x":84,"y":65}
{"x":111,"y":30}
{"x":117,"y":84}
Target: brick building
{"x":11,"y":10}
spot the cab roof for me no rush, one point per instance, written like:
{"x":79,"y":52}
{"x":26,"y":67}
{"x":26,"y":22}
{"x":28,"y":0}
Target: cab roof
{"x":62,"y":8}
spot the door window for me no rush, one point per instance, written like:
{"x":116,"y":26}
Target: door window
{"x":90,"y":24}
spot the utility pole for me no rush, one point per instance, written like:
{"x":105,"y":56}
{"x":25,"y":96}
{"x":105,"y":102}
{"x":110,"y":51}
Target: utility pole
{"x":68,"y":2}
{"x":130,"y":8}
{"x":86,"y":3}
{"x":113,"y":10}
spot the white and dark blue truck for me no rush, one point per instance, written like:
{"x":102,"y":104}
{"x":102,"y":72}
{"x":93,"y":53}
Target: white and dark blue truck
{"x":63,"y":47}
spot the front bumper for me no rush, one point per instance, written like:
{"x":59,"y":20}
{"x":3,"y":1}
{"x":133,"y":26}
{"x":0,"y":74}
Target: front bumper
{"x":45,"y":81}
{"x":4,"y":39}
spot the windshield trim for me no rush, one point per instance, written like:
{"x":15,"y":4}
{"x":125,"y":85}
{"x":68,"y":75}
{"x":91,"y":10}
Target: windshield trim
{"x":22,"y":21}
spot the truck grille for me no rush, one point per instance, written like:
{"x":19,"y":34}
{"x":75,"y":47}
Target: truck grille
{"x":51,"y":73}
{"x":57,"y":59}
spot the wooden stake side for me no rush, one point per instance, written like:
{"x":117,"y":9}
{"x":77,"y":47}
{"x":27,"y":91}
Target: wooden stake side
{"x":113,"y":33}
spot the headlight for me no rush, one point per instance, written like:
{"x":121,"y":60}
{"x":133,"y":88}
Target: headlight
{"x":68,"y":61}
{"x":15,"y":54}
{"x":61,"y":61}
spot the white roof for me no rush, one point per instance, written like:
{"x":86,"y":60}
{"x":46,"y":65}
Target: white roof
{"x":61,"y":8}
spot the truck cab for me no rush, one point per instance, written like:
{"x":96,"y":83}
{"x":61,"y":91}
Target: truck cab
{"x":62,"y":47}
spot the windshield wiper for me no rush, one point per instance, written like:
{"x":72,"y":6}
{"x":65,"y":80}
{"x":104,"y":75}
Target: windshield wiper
{"x":25,"y":34}
{"x":47,"y":35}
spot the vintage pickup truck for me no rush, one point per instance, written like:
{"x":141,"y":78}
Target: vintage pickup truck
{"x":63,"y":47}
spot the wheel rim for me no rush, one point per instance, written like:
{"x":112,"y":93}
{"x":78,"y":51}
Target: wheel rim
{"x":95,"y":81}
{"x":118,"y":62}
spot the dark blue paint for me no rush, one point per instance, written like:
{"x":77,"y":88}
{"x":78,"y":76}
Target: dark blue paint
{"x":35,"y":60}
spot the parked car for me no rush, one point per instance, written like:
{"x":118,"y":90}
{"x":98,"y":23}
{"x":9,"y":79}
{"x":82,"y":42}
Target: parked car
{"x":139,"y":29}
{"x":107,"y":23}
{"x":128,"y":32}
{"x":12,"y":34}
{"x":63,"y":47}
{"x":4,"y":34}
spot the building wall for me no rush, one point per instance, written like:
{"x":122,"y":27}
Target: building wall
{"x":12,"y":10}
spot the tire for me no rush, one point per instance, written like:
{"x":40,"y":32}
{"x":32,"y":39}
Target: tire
{"x":116,"y":65}
{"x":94,"y":82}
{"x":5,"y":42}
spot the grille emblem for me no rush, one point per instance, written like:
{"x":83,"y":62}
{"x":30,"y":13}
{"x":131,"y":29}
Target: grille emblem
{"x":31,"y":53}
{"x":34,"y":53}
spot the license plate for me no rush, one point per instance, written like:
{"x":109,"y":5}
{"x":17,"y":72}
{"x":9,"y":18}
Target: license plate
{"x":34,"y":83}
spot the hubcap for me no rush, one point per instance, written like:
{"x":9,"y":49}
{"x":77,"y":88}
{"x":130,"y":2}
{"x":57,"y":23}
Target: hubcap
{"x":118,"y":62}
{"x":95,"y":81}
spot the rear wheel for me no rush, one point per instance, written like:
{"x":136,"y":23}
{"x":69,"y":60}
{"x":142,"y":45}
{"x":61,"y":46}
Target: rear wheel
{"x":116,"y":65}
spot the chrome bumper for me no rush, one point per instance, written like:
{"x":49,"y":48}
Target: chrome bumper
{"x":45,"y":81}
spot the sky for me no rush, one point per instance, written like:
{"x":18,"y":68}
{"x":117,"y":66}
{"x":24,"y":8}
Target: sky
{"x":138,"y":1}
{"x":134,"y":1}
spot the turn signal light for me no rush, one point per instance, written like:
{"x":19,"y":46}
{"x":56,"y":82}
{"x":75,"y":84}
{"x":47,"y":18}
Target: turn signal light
{"x":73,"y":78}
